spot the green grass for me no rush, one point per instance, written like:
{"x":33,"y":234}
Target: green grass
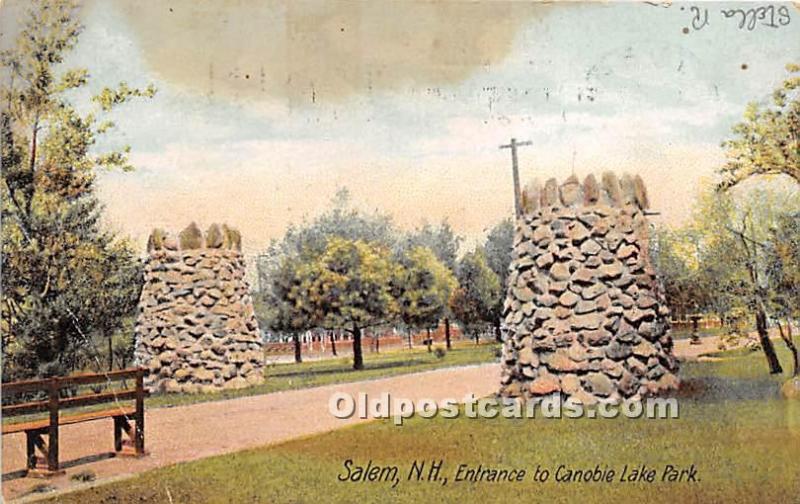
{"x":733,"y":427}
{"x":328,"y":372}
{"x":325,"y":372}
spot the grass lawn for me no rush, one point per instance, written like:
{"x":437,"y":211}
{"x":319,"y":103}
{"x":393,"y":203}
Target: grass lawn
{"x":325,"y":372}
{"x":742,"y":438}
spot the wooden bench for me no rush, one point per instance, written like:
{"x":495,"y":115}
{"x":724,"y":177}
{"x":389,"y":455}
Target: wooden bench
{"x":46,"y":462}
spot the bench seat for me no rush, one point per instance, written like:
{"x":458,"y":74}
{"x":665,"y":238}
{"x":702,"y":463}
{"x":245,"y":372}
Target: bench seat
{"x":43,"y":424}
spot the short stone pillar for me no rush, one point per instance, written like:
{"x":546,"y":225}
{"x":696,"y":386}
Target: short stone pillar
{"x":196,"y":329}
{"x":585,"y":315}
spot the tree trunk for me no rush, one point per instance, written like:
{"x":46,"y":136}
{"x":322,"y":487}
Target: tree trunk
{"x":447,"y":333}
{"x":497,"y":334}
{"x":788,"y":338}
{"x":110,"y":354}
{"x":409,"y":338}
{"x":333,"y":343}
{"x":298,"y":358}
{"x":430,"y":341}
{"x":358,"y":358}
{"x":377,"y":344}
{"x":477,"y":337}
{"x":766,"y":343}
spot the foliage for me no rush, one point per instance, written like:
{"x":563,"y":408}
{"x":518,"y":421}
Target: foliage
{"x":676,"y":255}
{"x":424,"y":286}
{"x":441,"y":240}
{"x":342,"y":220}
{"x":418,"y":271}
{"x":499,"y":246}
{"x":286,"y":297}
{"x":783,"y":265}
{"x":352,"y":284}
{"x":65,"y":281}
{"x":472,"y":303}
{"x":705,"y":263}
{"x":767,"y":142}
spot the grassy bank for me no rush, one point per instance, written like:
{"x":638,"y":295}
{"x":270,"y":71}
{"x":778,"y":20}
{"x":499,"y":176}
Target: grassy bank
{"x":739,"y":435}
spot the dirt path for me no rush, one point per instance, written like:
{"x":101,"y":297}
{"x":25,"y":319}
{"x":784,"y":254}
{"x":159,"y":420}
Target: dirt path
{"x":202,"y":430}
{"x":191,"y":432}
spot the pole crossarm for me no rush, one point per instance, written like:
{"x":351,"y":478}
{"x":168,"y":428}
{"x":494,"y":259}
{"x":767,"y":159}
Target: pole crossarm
{"x":514,"y":166}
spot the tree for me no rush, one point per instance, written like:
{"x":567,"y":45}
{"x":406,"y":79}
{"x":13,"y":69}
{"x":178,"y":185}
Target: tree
{"x":472,"y":303}
{"x":342,"y":220}
{"x":676,"y":254}
{"x":424,"y":287}
{"x":783,"y":273}
{"x":65,"y":281}
{"x":499,"y":247}
{"x":767,"y":142}
{"x":283,"y":304}
{"x":443,"y":241}
{"x":353,"y":287}
{"x":285,"y":310}
{"x":736,"y":227}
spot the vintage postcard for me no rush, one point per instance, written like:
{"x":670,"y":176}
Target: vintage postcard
{"x":311,"y":251}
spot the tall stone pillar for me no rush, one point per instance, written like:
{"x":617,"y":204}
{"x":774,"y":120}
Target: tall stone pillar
{"x":196,"y":329}
{"x":585,"y":314}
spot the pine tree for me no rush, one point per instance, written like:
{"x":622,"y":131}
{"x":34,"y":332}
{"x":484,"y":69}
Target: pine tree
{"x":65,"y":280}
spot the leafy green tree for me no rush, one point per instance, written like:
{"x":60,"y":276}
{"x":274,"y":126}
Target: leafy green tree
{"x":424,"y":286}
{"x":783,"y":276}
{"x":736,"y":228}
{"x":499,"y":247}
{"x":473,"y":302}
{"x":353,"y":286}
{"x":341,"y":220}
{"x":443,"y":241}
{"x":692,"y":267}
{"x":767,"y":142}
{"x":287,"y":262}
{"x":283,"y":304}
{"x":65,"y":281}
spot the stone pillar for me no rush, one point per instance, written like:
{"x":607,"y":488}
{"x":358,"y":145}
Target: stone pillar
{"x":585,"y":315}
{"x":196,"y":329}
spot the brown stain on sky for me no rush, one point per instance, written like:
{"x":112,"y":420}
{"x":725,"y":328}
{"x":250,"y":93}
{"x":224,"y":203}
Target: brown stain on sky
{"x":306,"y":51}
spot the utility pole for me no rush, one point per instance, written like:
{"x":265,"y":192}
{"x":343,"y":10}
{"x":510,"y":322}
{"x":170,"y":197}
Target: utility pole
{"x":514,"y":166}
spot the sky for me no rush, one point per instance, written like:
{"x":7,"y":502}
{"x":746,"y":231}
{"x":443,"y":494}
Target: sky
{"x":265,"y":109}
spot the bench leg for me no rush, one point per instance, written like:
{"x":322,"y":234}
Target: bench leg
{"x":118,"y":428}
{"x":30,"y":451}
{"x":139,"y":435}
{"x":41,"y":466}
{"x":134,"y":433}
{"x":52,"y":449}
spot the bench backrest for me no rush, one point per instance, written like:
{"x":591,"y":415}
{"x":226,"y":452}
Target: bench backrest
{"x":53,"y":386}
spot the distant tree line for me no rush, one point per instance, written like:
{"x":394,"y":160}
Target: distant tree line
{"x":348,"y":270}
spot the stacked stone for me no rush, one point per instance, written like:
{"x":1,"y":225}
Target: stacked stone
{"x":585,"y":314}
{"x":196,"y":329}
